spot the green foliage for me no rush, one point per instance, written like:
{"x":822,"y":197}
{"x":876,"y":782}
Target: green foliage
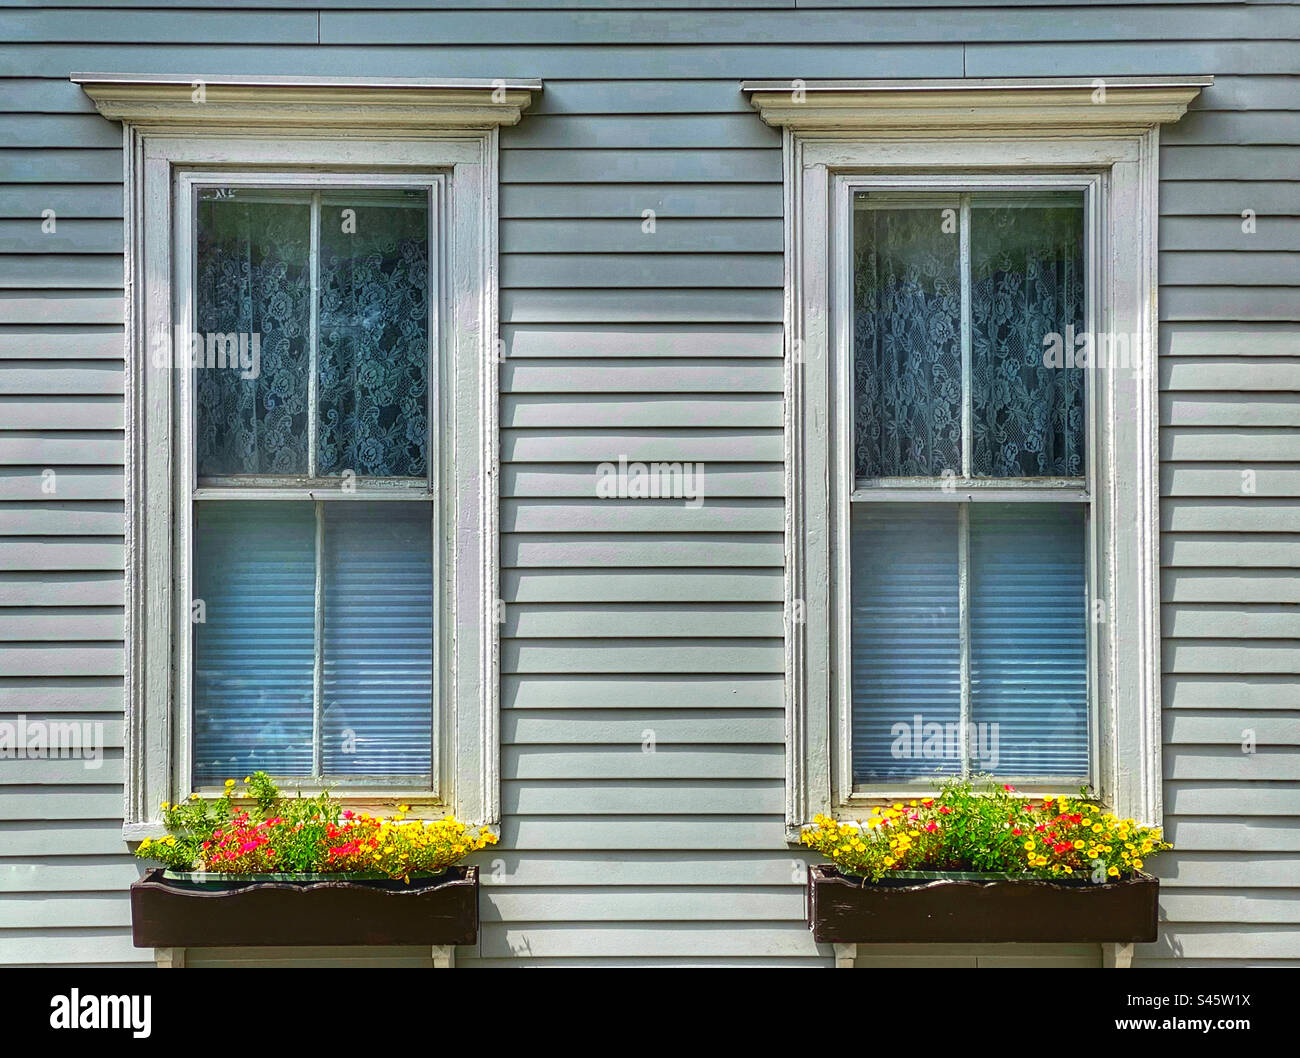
{"x":992,"y":829}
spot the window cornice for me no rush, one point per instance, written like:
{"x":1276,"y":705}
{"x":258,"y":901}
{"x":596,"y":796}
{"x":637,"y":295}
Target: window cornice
{"x":973,"y":105}
{"x":404,"y":106}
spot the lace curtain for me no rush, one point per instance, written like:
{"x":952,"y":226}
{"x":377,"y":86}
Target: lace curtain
{"x":253,"y":276}
{"x":374,"y":339}
{"x":907,"y":343}
{"x":1026,"y":282}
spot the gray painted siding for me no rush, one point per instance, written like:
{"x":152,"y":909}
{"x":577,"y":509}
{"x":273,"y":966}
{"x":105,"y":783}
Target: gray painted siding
{"x":628,"y":617}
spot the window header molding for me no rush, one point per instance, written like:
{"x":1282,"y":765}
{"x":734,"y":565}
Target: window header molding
{"x":974,"y":105}
{"x":403,"y":107}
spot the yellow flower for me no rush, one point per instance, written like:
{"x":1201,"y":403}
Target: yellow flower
{"x":403,"y":808}
{"x":230,"y":783}
{"x":1078,"y":844}
{"x":1137,"y":864}
{"x":248,"y":778}
{"x":1030,"y":844}
{"x":1113,"y":872}
{"x":1096,"y":828}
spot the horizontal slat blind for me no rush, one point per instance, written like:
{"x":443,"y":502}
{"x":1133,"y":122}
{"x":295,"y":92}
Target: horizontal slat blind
{"x":377,"y":692}
{"x":1029,"y":642}
{"x":254,"y":570}
{"x":906,"y":640}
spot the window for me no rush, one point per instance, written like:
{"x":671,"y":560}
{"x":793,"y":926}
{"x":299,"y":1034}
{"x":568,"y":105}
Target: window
{"x":311,"y":404}
{"x":969,"y":513}
{"x":972,"y":524}
{"x":314,"y":515}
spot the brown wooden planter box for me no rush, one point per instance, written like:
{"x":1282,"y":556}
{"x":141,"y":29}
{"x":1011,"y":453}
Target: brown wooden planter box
{"x":989,"y":909}
{"x":193,"y":913}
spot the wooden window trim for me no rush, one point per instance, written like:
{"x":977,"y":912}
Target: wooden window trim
{"x":957,"y":131}
{"x":313,"y":124}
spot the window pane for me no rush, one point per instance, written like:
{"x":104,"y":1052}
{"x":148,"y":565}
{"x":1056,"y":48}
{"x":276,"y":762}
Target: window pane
{"x":906,"y":342}
{"x":1029,"y":641}
{"x":254,"y":570}
{"x":906,"y":641}
{"x":1027,"y":282}
{"x":374,"y":333}
{"x":378,"y":660}
{"x":253,"y":284}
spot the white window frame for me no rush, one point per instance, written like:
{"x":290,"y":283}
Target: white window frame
{"x":189,"y":489}
{"x":962,"y":133}
{"x":441,"y":134}
{"x":846,"y":489}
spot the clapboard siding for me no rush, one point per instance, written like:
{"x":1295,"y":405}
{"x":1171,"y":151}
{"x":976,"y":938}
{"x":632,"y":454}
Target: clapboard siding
{"x":642,"y":644}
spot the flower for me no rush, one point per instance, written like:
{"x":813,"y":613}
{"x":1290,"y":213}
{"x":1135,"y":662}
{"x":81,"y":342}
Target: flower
{"x":920,"y":835}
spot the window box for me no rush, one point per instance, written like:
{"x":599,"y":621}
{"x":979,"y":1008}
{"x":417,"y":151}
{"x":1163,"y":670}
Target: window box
{"x":960,"y":907}
{"x":172,"y":909}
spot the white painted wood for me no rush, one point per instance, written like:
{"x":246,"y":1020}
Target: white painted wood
{"x":444,"y":956}
{"x":1117,"y":956}
{"x":973,"y":106}
{"x":401,"y":106}
{"x":169,"y":958}
{"x":160,"y":476}
{"x":820,"y":168}
{"x":846,"y":956}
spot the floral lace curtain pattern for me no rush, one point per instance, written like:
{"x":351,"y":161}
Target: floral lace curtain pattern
{"x":1026,"y":282}
{"x":253,"y":277}
{"x":374,"y":339}
{"x":372,"y":333}
{"x":907,"y":343}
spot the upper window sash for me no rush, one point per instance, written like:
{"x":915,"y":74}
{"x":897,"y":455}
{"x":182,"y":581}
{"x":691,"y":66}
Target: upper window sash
{"x":944,"y":192}
{"x":188,"y":186}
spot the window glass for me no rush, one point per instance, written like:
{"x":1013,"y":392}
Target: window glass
{"x":254,"y":639}
{"x":907,"y":343}
{"x":906,"y":635}
{"x":968,"y":624}
{"x":1029,"y":637}
{"x":374,"y":334}
{"x":314,"y":627}
{"x":377,"y":690}
{"x":253,"y":284}
{"x":1027,"y":282}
